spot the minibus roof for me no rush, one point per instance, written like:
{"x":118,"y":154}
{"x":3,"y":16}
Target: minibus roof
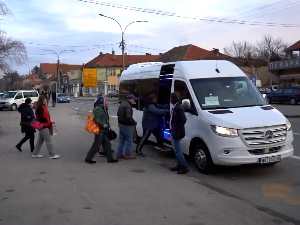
{"x":189,"y":69}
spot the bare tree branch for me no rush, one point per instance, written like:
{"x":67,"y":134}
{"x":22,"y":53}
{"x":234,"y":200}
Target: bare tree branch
{"x":11,"y":51}
{"x":241,"y":49}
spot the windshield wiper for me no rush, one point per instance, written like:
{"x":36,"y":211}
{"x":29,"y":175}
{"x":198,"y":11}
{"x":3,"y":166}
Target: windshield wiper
{"x":241,"y":106}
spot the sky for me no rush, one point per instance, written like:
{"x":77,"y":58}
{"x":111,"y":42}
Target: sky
{"x":76,"y":26}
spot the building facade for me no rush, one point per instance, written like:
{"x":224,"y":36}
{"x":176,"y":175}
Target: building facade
{"x":287,"y":70}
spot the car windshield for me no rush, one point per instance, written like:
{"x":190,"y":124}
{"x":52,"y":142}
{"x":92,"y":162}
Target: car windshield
{"x":10,"y":94}
{"x":62,"y":95}
{"x":226,"y":92}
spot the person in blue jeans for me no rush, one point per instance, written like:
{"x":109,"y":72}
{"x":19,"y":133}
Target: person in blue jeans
{"x":177,"y":132}
{"x":126,"y":122}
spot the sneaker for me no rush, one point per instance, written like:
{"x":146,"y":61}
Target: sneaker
{"x":175,"y":168}
{"x":158,"y":147}
{"x":54,"y":157}
{"x":129,"y":157}
{"x":139,"y":154}
{"x":19,"y":148}
{"x":120,"y":157}
{"x":90,"y":161}
{"x":183,"y":170}
{"x":37,"y":156}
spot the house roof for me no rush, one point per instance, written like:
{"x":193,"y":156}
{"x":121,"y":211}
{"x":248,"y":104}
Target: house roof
{"x":185,"y":53}
{"x":295,"y":46}
{"x":116,"y":60}
{"x":240,"y":62}
{"x":52,"y":67}
{"x":52,"y":78}
{"x":32,"y":77}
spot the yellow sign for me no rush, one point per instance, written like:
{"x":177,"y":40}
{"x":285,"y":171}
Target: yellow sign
{"x":90,"y":77}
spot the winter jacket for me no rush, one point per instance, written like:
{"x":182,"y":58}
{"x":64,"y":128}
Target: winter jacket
{"x":177,"y":122}
{"x":125,"y":114}
{"x":27,"y":115}
{"x":101,"y":117}
{"x":43,"y":116}
{"x":152,"y":115}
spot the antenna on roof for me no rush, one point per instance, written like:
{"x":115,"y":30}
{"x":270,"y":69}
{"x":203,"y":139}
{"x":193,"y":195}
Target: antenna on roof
{"x":217,"y":69}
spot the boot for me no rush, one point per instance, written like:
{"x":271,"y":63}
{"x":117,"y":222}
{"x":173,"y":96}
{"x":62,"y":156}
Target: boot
{"x":18,"y":146}
{"x":183,"y":170}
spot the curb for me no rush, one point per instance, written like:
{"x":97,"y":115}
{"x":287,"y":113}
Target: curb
{"x":91,"y":100}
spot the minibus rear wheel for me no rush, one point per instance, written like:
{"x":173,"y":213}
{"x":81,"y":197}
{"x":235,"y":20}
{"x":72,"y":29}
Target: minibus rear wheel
{"x":202,"y":159}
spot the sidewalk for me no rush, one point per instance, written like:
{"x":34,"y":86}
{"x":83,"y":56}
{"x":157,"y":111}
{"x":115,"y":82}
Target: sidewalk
{"x":69,"y":191}
{"x":93,"y":98}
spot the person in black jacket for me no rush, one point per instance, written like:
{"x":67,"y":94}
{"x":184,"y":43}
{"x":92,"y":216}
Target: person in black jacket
{"x":26,"y":117}
{"x":177,"y":132}
{"x":53,"y":95}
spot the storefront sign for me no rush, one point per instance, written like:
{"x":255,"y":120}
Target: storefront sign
{"x":284,"y":64}
{"x":90,"y":77}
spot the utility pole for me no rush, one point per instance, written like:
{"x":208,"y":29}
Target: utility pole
{"x":58,"y":66}
{"x":122,"y":44}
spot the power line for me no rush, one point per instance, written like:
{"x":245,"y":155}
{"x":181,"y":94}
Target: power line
{"x":211,"y":19}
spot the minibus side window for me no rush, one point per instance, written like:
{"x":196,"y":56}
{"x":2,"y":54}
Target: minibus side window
{"x":146,"y":87}
{"x":182,"y":89}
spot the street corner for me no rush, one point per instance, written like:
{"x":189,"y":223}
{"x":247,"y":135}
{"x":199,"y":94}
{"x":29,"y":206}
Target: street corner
{"x":282,"y":192}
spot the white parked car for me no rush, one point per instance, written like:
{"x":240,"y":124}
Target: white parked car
{"x":12,"y":99}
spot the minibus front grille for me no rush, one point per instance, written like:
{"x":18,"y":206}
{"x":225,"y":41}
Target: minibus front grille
{"x":265,"y":135}
{"x":265,"y":151}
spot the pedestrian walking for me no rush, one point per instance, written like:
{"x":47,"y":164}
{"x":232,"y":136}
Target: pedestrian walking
{"x":151,"y":123}
{"x":177,"y":132}
{"x":47,"y":98}
{"x":126,"y":122}
{"x":54,"y":97}
{"x":102,"y":120}
{"x":27,"y":115}
{"x":43,"y":116}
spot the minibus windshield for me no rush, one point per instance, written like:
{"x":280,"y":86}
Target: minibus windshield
{"x":226,"y":92}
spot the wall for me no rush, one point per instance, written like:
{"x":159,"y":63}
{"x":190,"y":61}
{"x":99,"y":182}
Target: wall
{"x":113,"y":80}
{"x":74,"y":74}
{"x":101,"y":74}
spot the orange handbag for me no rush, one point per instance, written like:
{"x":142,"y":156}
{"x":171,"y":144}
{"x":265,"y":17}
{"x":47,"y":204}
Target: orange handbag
{"x":90,"y":125}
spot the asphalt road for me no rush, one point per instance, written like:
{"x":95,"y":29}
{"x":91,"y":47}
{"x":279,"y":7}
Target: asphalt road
{"x":275,"y":189}
{"x":249,"y":194}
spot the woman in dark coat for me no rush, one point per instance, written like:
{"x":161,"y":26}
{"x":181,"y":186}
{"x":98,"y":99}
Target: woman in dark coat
{"x":26,"y":117}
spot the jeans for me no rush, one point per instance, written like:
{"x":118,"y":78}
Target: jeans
{"x":157,"y":132}
{"x":44,"y":136}
{"x":179,"y":155}
{"x":100,"y":139}
{"x":125,"y":140}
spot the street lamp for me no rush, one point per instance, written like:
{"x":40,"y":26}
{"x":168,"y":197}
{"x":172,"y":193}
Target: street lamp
{"x":123,"y":31}
{"x":58,"y":69}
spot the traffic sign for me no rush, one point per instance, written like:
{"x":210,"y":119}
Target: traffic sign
{"x":90,"y":77}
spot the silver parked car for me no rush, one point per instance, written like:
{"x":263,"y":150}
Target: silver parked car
{"x":114,"y":93}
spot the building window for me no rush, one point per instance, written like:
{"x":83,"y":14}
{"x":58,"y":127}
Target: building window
{"x":111,"y":72}
{"x":111,"y":87}
{"x":72,"y":72}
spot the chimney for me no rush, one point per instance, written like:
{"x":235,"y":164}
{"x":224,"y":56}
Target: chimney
{"x":217,"y":52}
{"x":148,"y":54}
{"x":101,"y":53}
{"x":125,"y":53}
{"x":160,"y":53}
{"x":113,"y":54}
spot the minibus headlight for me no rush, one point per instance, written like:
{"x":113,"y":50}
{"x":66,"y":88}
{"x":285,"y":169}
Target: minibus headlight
{"x":224,"y":131}
{"x":288,"y":125}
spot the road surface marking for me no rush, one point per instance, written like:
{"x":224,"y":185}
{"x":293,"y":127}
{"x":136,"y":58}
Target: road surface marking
{"x":112,"y":107}
{"x":76,"y":108}
{"x":90,"y":111}
{"x":295,"y":157}
{"x":297,"y":133}
{"x":83,"y":109}
{"x":282,"y":192}
{"x":114,"y":116}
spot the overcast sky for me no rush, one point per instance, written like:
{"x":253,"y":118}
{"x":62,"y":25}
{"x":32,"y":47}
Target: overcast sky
{"x":72,"y":23}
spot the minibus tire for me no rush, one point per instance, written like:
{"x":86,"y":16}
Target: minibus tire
{"x":210,"y":166}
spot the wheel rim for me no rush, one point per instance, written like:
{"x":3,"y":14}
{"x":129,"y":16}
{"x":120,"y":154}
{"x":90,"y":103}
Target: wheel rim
{"x":293,"y":101}
{"x":201,"y":159}
{"x":14,"y":107}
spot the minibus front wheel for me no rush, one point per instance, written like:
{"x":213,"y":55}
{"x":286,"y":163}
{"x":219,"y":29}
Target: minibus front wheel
{"x":202,"y":158}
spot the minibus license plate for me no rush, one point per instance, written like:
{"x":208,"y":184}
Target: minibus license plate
{"x":271,"y":159}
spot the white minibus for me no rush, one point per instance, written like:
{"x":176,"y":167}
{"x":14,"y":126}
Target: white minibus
{"x":225,"y":126}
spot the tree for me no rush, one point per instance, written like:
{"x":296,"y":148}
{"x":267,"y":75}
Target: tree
{"x":271,"y":47}
{"x":10,"y":79}
{"x":11,"y":50}
{"x":241,"y":49}
{"x":35,"y":70}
